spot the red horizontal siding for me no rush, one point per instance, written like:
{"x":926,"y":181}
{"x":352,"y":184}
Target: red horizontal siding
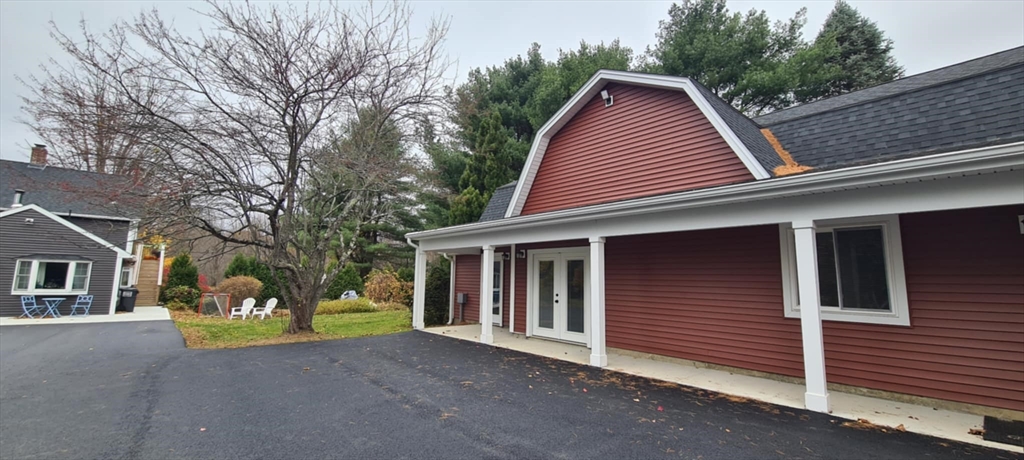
{"x":715,"y":296}
{"x":467,"y":279}
{"x":712,"y":296}
{"x":649,"y":142}
{"x":965,"y":283}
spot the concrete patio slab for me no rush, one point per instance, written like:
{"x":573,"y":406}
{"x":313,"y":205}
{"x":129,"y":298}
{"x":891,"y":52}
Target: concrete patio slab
{"x":140,"y":314}
{"x":913,"y":418}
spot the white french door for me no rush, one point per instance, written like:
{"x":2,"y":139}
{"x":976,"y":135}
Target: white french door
{"x":560,"y":306}
{"x":496,"y":289}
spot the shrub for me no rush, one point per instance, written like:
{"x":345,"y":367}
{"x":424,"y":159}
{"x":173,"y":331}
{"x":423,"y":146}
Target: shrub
{"x":346,"y":280}
{"x":437,"y":293}
{"x":182,"y":273}
{"x":185,"y":295}
{"x":384,"y":286}
{"x":176,"y":305}
{"x":243,"y":265}
{"x":339,"y":307}
{"x":406,"y":274}
{"x":240,"y":288}
{"x":392,"y":306}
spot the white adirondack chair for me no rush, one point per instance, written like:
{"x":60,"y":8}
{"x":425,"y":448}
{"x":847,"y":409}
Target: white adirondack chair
{"x":267,"y":310}
{"x":244,"y":310}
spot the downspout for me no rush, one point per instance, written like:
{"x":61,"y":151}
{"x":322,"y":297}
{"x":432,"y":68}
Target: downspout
{"x":451,"y":289}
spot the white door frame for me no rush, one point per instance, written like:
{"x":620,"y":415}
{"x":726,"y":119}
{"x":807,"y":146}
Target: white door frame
{"x":561,"y":255}
{"x":499,"y":260}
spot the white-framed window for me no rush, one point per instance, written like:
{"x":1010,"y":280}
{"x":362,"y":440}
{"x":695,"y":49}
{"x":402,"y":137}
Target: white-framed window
{"x":126,"y":277}
{"x":51,"y":277}
{"x":860,"y":271}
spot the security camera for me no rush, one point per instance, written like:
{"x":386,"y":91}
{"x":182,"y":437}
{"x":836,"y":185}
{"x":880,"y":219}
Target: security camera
{"x":607,"y":98}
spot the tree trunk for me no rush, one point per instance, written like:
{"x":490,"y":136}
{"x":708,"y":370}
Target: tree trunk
{"x":305,"y":299}
{"x":301,"y":318}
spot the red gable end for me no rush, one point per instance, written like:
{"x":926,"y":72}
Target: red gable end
{"x":649,"y":142}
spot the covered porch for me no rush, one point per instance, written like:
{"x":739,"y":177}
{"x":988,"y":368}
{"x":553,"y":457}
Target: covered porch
{"x":886,"y":413}
{"x":731,"y":277}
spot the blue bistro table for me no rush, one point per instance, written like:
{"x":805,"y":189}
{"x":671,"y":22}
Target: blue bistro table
{"x":51,"y":306}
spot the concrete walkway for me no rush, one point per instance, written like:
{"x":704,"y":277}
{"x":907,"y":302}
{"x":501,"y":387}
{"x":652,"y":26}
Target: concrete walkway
{"x":140,"y":314}
{"x":913,"y":418}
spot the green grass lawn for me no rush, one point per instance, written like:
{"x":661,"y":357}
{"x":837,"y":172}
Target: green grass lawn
{"x":207,"y":332}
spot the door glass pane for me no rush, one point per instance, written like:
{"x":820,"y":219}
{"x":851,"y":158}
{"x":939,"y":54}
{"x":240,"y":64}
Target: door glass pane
{"x":52,"y":275}
{"x":574,"y":295}
{"x":862,"y":274}
{"x":546,"y":291}
{"x":828,"y":290}
{"x":496,"y":287}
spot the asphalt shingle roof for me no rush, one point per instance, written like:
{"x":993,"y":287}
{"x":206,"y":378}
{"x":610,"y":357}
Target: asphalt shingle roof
{"x":745,"y":129}
{"x":62,"y":190}
{"x":985,"y":64}
{"x":499,"y":202}
{"x":982,"y":109}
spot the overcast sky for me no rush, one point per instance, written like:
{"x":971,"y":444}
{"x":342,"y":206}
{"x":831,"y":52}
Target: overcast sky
{"x":927,"y":34}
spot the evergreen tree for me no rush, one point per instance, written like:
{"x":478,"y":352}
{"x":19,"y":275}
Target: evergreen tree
{"x":744,"y":59}
{"x":864,"y":54}
{"x":559,"y":81}
{"x":182,"y":273}
{"x":467,"y":207}
{"x":348,"y":279}
{"x":242,"y":265}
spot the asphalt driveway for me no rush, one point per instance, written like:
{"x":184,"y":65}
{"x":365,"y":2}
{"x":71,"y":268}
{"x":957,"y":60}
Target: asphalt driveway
{"x":131,"y":390}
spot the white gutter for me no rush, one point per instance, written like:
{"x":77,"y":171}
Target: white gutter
{"x":973,"y":161}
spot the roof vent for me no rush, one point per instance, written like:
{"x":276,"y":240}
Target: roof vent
{"x":607,"y":98}
{"x":18,"y":196}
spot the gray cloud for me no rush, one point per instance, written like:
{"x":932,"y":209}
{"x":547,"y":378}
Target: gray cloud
{"x":927,"y":34}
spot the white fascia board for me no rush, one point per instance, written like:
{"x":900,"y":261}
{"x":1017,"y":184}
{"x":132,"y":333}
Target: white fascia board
{"x":981,"y":190}
{"x":974,"y":161}
{"x":120,"y":252}
{"x":589,"y":90}
{"x":87,"y":216}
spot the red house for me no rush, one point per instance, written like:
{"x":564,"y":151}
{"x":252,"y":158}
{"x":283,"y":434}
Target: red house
{"x":873,"y":240}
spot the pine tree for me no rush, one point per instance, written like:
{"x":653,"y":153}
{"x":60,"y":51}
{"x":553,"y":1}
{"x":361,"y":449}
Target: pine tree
{"x":182,"y":273}
{"x":348,"y":279}
{"x":864,"y":53}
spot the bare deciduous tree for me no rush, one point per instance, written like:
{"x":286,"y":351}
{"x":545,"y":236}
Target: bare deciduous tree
{"x":89,"y":124}
{"x":250,"y":154}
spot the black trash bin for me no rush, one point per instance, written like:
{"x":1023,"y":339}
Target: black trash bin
{"x":126,"y":301}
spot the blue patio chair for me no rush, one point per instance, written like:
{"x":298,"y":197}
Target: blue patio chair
{"x":30,"y":308}
{"x":83,"y":302}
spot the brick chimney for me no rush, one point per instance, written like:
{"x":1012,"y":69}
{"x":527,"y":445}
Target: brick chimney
{"x":38,"y":155}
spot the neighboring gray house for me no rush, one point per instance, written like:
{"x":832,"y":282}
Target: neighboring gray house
{"x":59,"y":236}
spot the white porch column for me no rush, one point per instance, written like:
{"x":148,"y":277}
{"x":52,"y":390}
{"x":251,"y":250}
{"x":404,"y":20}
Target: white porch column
{"x":486,"y":294}
{"x":419,"y":290}
{"x":816,"y":397}
{"x":598,"y":356}
{"x":512,"y":291}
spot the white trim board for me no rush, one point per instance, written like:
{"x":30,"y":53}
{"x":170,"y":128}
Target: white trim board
{"x":950,"y":168}
{"x":591,"y":89}
{"x":104,"y":243}
{"x":897,"y":282}
{"x":983,"y":190}
{"x":87,"y":216}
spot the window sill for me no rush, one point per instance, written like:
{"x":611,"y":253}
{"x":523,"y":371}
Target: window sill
{"x":50,"y":293}
{"x":886,"y":319}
